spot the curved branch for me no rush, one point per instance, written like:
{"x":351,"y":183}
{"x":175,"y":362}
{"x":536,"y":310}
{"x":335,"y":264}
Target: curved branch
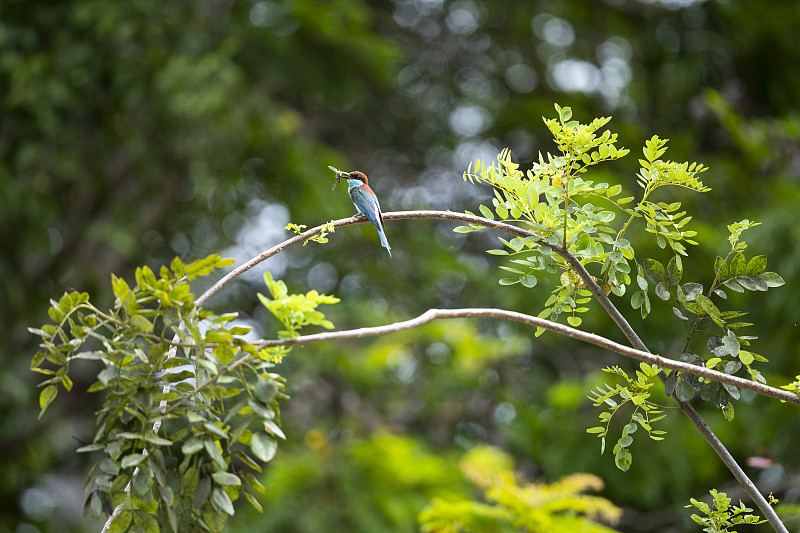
{"x":503,"y":314}
{"x":591,"y":285}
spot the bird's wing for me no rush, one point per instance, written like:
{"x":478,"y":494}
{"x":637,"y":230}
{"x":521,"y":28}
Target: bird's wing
{"x":368,"y":205}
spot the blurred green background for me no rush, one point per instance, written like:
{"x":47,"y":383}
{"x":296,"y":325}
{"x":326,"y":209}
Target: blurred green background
{"x":131,"y":132}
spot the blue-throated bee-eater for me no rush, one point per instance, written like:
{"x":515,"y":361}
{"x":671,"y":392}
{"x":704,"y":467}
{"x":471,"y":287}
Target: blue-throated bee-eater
{"x":365,"y":200}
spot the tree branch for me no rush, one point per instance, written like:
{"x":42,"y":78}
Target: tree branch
{"x":591,"y":285}
{"x":591,"y":338}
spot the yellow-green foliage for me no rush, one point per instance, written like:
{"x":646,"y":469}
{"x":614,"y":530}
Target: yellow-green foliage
{"x":513,"y":505}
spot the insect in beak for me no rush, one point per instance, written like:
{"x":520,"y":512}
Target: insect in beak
{"x":339,"y":174}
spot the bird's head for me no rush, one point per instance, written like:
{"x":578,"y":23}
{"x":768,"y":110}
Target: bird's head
{"x":357,"y":175}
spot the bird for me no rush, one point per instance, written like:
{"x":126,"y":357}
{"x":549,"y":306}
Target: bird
{"x":366,"y":202}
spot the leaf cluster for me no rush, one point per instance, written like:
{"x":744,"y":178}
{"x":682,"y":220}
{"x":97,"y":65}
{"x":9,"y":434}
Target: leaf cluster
{"x":721,"y":516}
{"x":725,"y":350}
{"x":555,"y":200}
{"x":321,"y":237}
{"x":190,"y":407}
{"x":645,"y":413}
{"x":568,"y":212}
{"x":512,"y":506}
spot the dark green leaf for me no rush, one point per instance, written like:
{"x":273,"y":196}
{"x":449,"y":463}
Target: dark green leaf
{"x":202,"y":491}
{"x":708,"y":391}
{"x":756,"y":265}
{"x":738,"y":265}
{"x":654,"y":270}
{"x":142,"y":482}
{"x":672,"y":381}
{"x":721,"y":267}
{"x":674,"y":271}
{"x":684,"y":391}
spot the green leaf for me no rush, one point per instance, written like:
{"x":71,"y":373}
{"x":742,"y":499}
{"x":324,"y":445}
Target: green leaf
{"x":733,"y":391}
{"x":193,"y":445}
{"x":772,"y":279}
{"x":121,"y":522}
{"x":46,"y":397}
{"x":674,"y":271}
{"x":140,"y":323}
{"x":637,"y":299}
{"x":226,"y":479}
{"x":202,"y":491}
{"x":213,"y":451}
{"x":738,"y":266}
{"x":731,"y":344}
{"x":486,"y":212}
{"x":142,"y":482}
{"x":263,"y":446}
{"x":662,"y":291}
{"x":745,"y":357}
{"x":158,"y":441}
{"x":756,"y":265}
{"x":528,"y":281}
{"x":215,"y":430}
{"x":146,"y":522}
{"x":574,"y":321}
{"x":90,"y":448}
{"x":463,"y":229}
{"x":221,"y":501}
{"x":132,"y":460}
{"x":623,"y":459}
{"x":508,"y":281}
{"x":684,"y":391}
{"x":272,"y":427}
{"x":655,"y":271}
{"x":727,"y":411}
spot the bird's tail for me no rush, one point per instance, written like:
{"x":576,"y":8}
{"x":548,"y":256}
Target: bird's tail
{"x":384,"y":242}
